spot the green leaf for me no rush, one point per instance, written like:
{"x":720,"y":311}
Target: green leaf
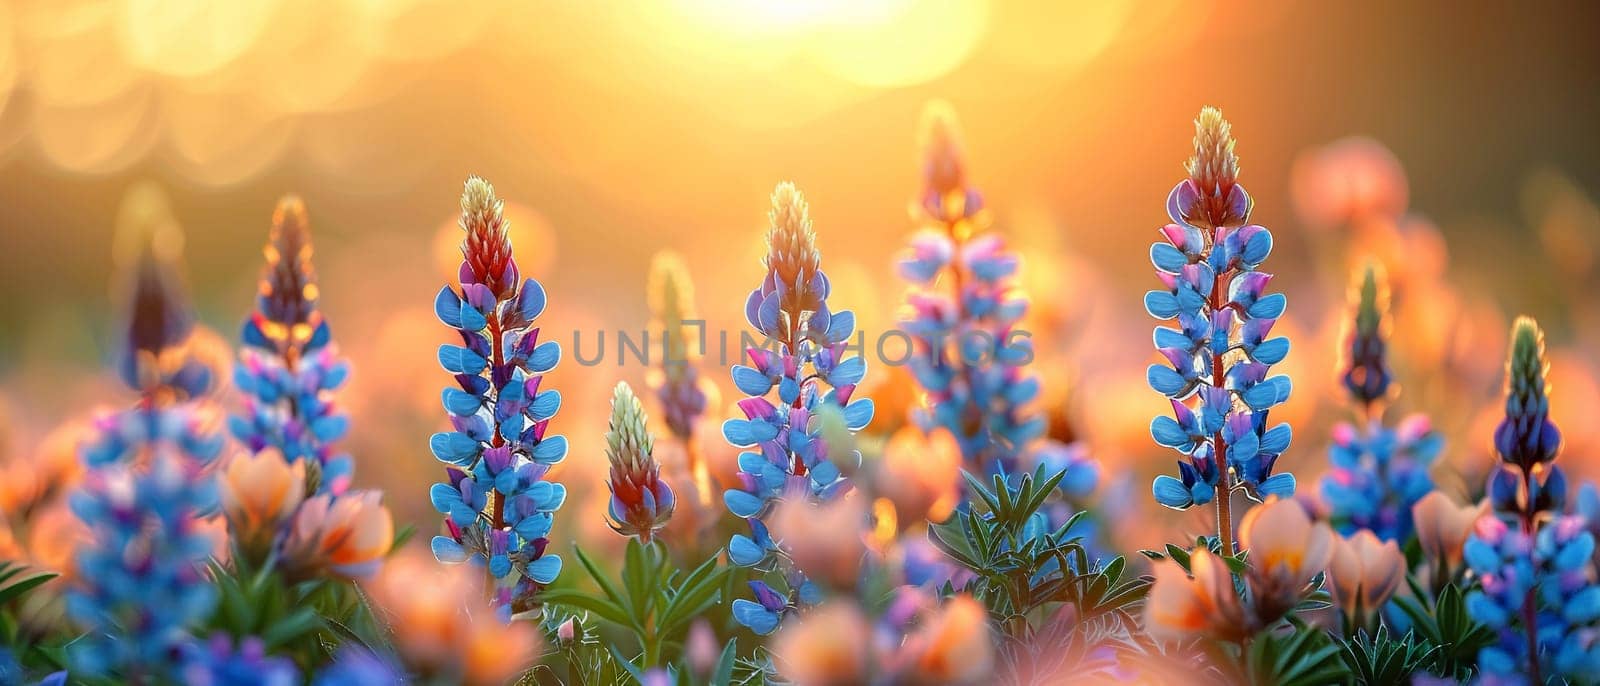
{"x":600,"y":579}
{"x":723,"y":675}
{"x":17,"y":590}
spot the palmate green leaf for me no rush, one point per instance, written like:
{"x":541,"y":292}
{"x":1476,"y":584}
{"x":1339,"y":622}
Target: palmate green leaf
{"x":1379,"y":659}
{"x":1444,"y":623}
{"x":1305,"y":656}
{"x":600,"y":579}
{"x":699,"y":591}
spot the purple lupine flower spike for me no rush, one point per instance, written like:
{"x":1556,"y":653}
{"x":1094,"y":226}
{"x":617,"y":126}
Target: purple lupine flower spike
{"x":498,"y":508}
{"x":1537,"y":580}
{"x":289,"y":369}
{"x":1218,"y":358}
{"x":1378,"y":471}
{"x":141,"y":584}
{"x":807,"y":374}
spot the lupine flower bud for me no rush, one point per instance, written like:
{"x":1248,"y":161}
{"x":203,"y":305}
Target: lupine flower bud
{"x":260,"y":492}
{"x":1367,"y":374}
{"x":348,"y":535}
{"x":487,"y":247}
{"x":641,"y":503}
{"x":1363,"y":572}
{"x":1214,"y":170}
{"x":286,"y":302}
{"x":157,"y":354}
{"x":1527,"y":437}
{"x":672,"y":302}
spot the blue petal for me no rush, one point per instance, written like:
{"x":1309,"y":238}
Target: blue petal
{"x":858,"y":414}
{"x":754,"y":616}
{"x":744,"y":552}
{"x":1269,"y":307}
{"x":1171,"y":492}
{"x":742,"y":504}
{"x":444,"y":497}
{"x":545,"y":569}
{"x":530,"y":302}
{"x":1165,"y":380}
{"x":737,"y":432}
{"x":1271,"y":351}
{"x":751,"y":382}
{"x":1281,"y":485}
{"x":453,"y":447}
{"x":471,"y":318}
{"x":550,"y":450}
{"x":544,"y":357}
{"x":1167,"y":258}
{"x":447,"y":306}
{"x":545,"y":404}
{"x":848,"y":372}
{"x":448,"y":551}
{"x":1480,"y":555}
{"x":1277,"y":439}
{"x":1169,"y":433}
{"x":1161,"y":304}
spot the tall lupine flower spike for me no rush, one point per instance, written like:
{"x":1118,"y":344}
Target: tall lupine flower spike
{"x":1538,"y":589}
{"x":498,"y":507}
{"x":808,"y":371}
{"x":1219,"y":355}
{"x":671,"y":296}
{"x":1378,"y":472}
{"x":641,"y":503}
{"x":289,"y":368}
{"x":969,"y":357}
{"x":141,"y":581}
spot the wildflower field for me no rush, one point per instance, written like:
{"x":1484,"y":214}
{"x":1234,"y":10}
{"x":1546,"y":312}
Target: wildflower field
{"x":408,"y":342}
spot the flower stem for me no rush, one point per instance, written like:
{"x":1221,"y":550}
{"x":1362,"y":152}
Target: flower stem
{"x":1219,"y":445}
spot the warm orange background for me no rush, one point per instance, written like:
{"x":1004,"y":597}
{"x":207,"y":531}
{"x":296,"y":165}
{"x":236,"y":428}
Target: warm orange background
{"x":616,"y":130}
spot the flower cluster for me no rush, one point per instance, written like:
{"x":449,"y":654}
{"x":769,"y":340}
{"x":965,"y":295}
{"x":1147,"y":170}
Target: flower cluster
{"x":969,"y":357}
{"x":1220,"y":354}
{"x":290,"y":493}
{"x":1379,"y":472}
{"x":808,"y":371}
{"x":671,"y":297}
{"x":1538,"y":587}
{"x":641,"y":503}
{"x":220,"y":663}
{"x":1287,"y":552}
{"x":497,"y":505}
{"x":289,"y":368}
{"x":141,"y":579}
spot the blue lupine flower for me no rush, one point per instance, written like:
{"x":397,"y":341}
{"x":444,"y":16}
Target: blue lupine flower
{"x":1526,"y":551}
{"x":219,"y":664}
{"x":1379,"y":472}
{"x":289,"y":369}
{"x":357,"y":666}
{"x":969,"y":357}
{"x":497,"y":506}
{"x":807,"y":374}
{"x":1219,"y":354}
{"x":142,"y":582}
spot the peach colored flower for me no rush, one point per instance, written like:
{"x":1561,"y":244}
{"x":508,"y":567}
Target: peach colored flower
{"x":1363,"y":572}
{"x":1286,"y":551}
{"x":429,"y":607}
{"x":921,"y":474}
{"x":953,"y":646}
{"x":54,"y":534}
{"x":259,"y":492}
{"x":1348,"y":180}
{"x":347,"y":535}
{"x":1180,"y":606}
{"x":825,"y":647}
{"x":1443,"y":527}
{"x":826,"y":541}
